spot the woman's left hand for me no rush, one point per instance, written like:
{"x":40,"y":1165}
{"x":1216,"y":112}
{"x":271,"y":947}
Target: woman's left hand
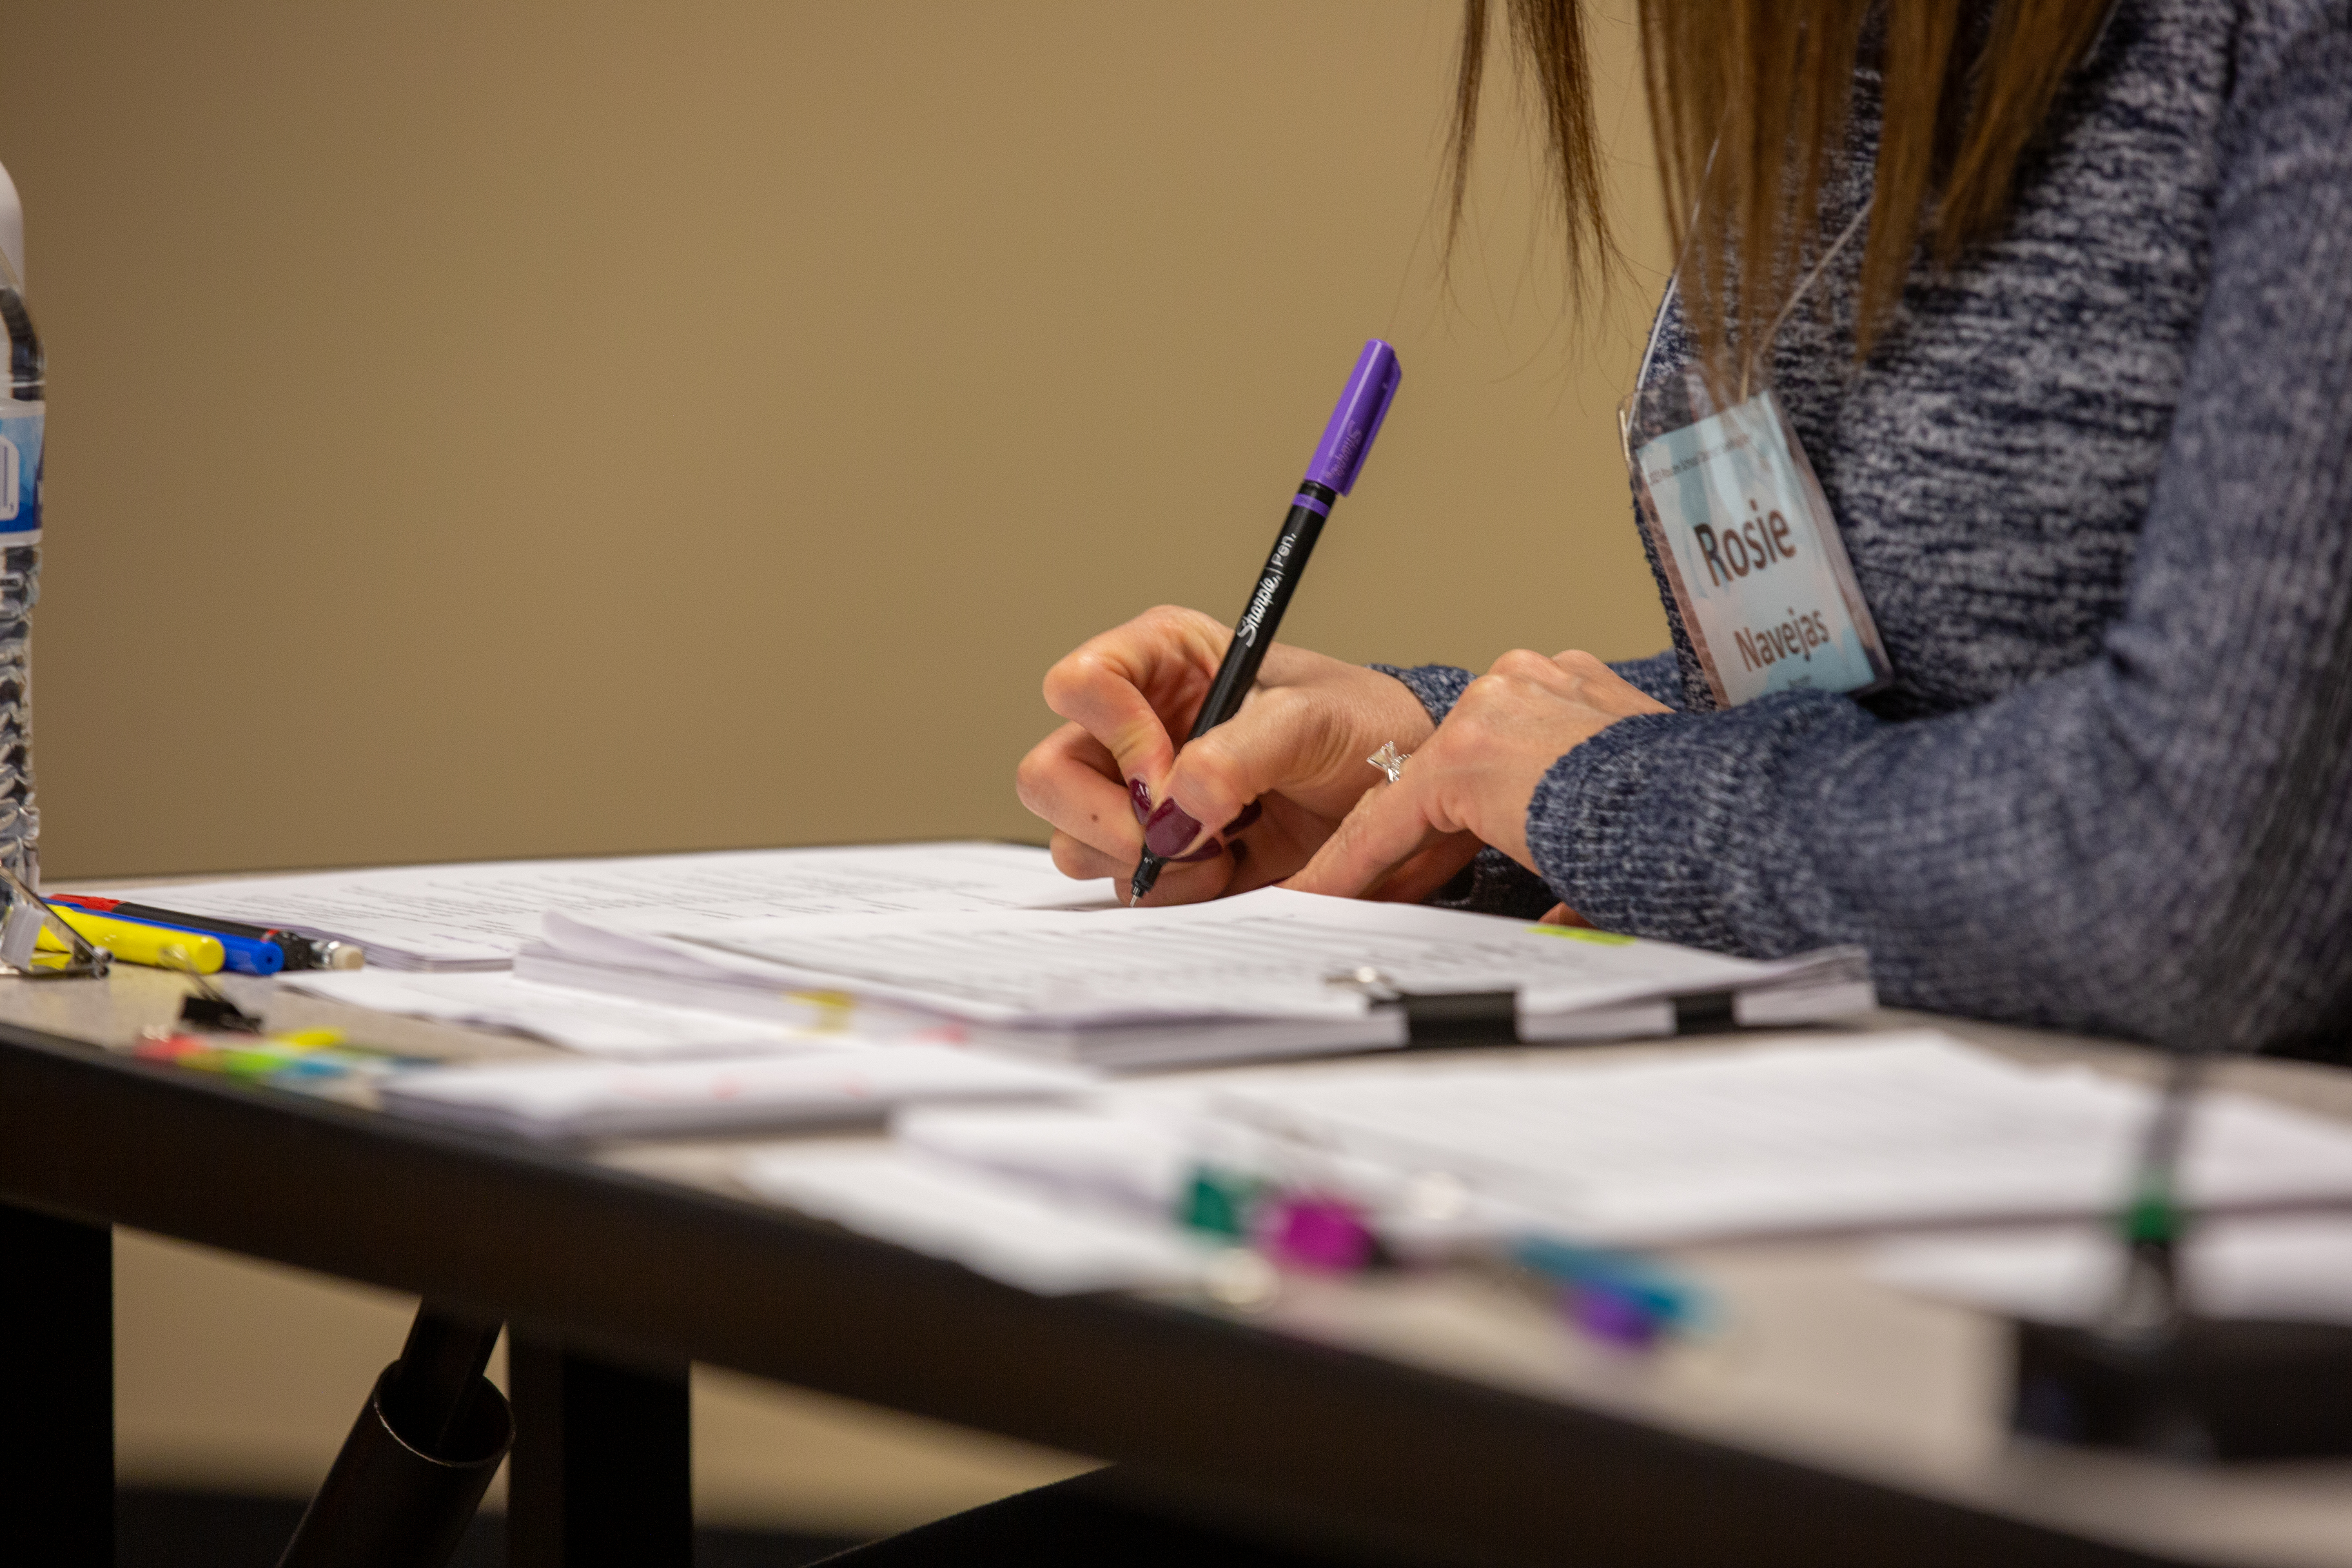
{"x":1473,"y":781}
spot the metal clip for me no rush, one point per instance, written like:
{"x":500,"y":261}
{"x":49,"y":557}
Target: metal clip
{"x":1367,"y":980}
{"x":26,"y":916}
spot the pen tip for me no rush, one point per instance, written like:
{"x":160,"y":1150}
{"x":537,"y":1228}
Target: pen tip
{"x":1147,"y":872}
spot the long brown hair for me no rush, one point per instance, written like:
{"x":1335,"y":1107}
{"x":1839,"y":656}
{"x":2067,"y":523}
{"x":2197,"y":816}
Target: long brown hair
{"x":1749,"y":105}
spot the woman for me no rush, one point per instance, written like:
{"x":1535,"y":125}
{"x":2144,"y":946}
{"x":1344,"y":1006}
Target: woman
{"x":2080,"y":397}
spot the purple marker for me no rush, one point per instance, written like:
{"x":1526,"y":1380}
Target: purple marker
{"x":1319,"y":1233}
{"x":1329,"y":475}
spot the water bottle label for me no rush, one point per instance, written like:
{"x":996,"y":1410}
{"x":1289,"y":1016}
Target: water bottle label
{"x":20,"y":467}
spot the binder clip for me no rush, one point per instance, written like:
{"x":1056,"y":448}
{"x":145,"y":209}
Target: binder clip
{"x":26,"y":916}
{"x":208,"y":1007}
{"x":1438,"y":1019}
{"x":2156,"y":1376}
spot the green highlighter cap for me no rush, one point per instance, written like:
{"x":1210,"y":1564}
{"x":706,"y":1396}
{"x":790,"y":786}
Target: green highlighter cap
{"x":1221,"y":1201}
{"x":2153,"y":1216}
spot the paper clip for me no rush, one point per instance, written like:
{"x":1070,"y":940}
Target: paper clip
{"x":21,"y":923}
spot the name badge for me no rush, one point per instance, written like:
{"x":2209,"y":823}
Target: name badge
{"x":1753,"y":556}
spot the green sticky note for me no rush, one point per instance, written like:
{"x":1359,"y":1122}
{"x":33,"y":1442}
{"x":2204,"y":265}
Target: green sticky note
{"x":250,"y":1063}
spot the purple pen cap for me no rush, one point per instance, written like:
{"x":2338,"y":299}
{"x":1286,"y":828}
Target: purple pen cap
{"x":1358,"y":418}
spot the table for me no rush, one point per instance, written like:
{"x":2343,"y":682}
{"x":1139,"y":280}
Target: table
{"x":1431,"y":1419}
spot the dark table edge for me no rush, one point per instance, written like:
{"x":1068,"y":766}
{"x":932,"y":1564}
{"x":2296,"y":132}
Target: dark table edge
{"x":1220,"y":1416}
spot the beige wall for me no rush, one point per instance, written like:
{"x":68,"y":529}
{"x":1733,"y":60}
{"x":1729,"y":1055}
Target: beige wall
{"x":520,"y":429}
{"x":488,"y":429}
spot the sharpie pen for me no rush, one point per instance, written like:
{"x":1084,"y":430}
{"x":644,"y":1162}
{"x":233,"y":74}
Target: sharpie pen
{"x":298,"y":952}
{"x":1329,"y":475}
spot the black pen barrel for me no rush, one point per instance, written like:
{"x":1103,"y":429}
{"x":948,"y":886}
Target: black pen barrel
{"x":1255,"y":633}
{"x":301,"y":952}
{"x":131,"y":911}
{"x":1261,"y":619}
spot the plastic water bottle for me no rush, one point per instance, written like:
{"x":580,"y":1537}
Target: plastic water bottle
{"x":21,"y":411}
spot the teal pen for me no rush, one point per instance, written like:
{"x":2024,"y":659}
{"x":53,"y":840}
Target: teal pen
{"x":1651,"y":1291}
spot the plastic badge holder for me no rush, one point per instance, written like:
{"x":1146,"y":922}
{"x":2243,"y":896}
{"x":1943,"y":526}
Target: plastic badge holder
{"x":1749,"y":546}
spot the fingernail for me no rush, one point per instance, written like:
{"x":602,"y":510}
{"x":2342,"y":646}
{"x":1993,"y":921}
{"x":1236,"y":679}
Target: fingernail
{"x":1209,"y":850}
{"x":1249,"y":814}
{"x":1169,"y":830}
{"x":1139,"y":796}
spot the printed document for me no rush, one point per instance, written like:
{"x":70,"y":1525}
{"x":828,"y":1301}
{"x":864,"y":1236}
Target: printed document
{"x":2294,"y":1267}
{"x":559,"y":1100}
{"x":1729,"y":1141}
{"x":1441,"y":1154}
{"x":994,"y":1228}
{"x":476,"y":916}
{"x":1268,"y":955}
{"x":592,"y":1023}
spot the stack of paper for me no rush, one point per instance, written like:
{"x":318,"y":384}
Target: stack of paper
{"x":1000,"y":1230}
{"x":1707,"y":1144}
{"x":592,"y":1023}
{"x":1744,"y":1141}
{"x":2295,"y":1268}
{"x":1116,"y":1153}
{"x":593,"y":1099}
{"x":1269,"y":973}
{"x":476,"y":916}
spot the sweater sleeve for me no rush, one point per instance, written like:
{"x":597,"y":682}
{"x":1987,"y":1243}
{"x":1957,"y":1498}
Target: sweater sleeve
{"x":2157,"y":842}
{"x":1494,"y":883}
{"x":1439,"y":686}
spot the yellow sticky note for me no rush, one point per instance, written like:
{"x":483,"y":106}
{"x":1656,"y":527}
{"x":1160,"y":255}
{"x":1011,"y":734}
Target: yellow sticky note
{"x":1586,"y":933}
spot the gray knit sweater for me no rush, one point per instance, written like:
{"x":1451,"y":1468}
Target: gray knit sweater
{"x":2097,"y":488}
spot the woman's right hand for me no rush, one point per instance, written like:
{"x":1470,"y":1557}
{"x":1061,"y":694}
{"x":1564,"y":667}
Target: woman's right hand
{"x":1247,"y":803}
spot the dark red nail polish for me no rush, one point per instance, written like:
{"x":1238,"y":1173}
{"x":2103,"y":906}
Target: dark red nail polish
{"x":1167,"y":831}
{"x":1209,"y":850}
{"x":1249,"y":814}
{"x":1139,"y":796}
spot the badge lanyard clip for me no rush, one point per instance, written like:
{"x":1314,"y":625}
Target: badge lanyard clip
{"x":1749,"y":546}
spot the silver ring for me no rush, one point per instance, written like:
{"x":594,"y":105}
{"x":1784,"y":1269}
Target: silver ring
{"x":1388,"y":759}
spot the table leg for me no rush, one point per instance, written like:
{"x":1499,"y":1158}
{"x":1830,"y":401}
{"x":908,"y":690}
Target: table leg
{"x":57,"y":1391}
{"x":600,"y":1468}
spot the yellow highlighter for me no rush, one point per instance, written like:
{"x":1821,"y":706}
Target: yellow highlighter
{"x":135,"y":943}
